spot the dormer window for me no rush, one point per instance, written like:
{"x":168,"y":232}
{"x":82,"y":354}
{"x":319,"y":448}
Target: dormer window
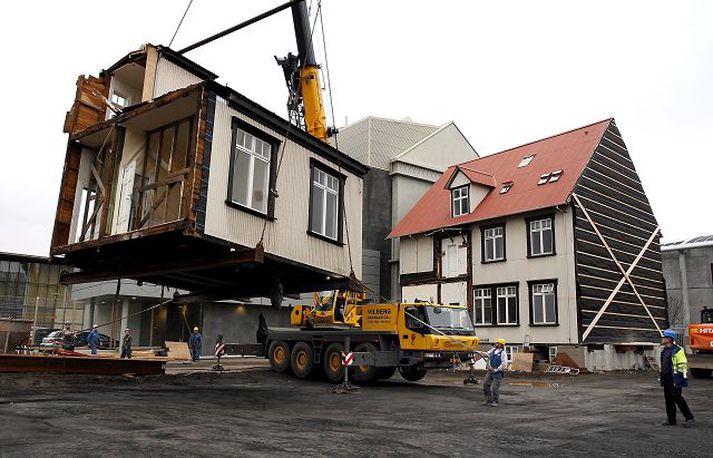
{"x":525,"y":161}
{"x":506,"y":187}
{"x":460,"y":201}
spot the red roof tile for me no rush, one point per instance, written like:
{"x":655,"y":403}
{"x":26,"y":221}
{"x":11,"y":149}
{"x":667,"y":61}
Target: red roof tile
{"x":569,"y":151}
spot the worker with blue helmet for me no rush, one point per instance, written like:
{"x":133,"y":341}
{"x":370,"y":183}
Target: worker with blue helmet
{"x":674,"y":377}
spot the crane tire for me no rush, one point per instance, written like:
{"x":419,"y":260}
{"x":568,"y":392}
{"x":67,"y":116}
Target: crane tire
{"x":279,"y":356}
{"x":302,"y":360}
{"x":412,"y":374}
{"x":365,"y":375}
{"x":333,"y":369}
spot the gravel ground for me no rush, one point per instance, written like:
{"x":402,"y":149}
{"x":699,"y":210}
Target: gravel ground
{"x":255,"y":412}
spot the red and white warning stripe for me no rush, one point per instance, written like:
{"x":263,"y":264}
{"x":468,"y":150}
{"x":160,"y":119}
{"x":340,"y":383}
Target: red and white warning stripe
{"x":347,"y":359}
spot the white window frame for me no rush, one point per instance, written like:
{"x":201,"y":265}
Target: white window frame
{"x":526,"y":161}
{"x":459,"y":197}
{"x":544,"y":290}
{"x":537,"y":228}
{"x":326,"y":183}
{"x":491,"y":236}
{"x":510,"y":351}
{"x":479,"y":297}
{"x":256,"y":149}
{"x":508,"y":292}
{"x":119,"y":100}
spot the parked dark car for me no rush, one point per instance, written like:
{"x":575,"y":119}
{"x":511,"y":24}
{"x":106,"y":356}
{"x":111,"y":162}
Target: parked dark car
{"x":54,"y":340}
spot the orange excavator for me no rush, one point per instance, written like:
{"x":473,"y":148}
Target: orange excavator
{"x":700,"y":342}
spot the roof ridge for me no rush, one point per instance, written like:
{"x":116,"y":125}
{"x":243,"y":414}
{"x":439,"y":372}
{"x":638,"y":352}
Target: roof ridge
{"x":540,"y":140}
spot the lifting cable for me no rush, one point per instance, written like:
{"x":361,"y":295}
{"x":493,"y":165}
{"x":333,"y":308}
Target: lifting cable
{"x":281,"y":152}
{"x":336,"y":141}
{"x":180,"y":23}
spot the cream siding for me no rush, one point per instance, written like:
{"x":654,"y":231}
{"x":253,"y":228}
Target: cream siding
{"x":416,"y":254}
{"x":286,"y":236}
{"x":519,"y":268}
{"x":454,"y":257}
{"x":419,"y":292}
{"x":454,"y":293}
{"x":170,"y":77}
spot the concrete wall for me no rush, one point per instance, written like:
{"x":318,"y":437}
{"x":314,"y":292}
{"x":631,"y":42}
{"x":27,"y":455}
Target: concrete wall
{"x":286,"y":236}
{"x":608,"y":359}
{"x":376,"y":226}
{"x":237,"y":323}
{"x":521,"y":269}
{"x":698,"y":264}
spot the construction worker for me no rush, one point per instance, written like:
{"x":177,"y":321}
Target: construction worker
{"x":195,"y":342}
{"x":126,"y":344}
{"x":674,"y":377}
{"x":93,"y":339}
{"x":497,"y":362}
{"x":68,"y":337}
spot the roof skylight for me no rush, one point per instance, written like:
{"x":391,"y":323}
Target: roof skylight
{"x":525,"y":161}
{"x":543,"y":178}
{"x":555,"y":176}
{"x":506,"y":187}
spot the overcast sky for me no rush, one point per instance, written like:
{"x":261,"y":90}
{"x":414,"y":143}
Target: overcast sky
{"x":506,"y":72}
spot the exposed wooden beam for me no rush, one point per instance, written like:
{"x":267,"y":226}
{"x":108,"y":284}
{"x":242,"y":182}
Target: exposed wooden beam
{"x":173,"y":266}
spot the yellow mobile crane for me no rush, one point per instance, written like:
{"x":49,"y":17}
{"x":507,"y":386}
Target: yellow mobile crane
{"x":409,"y":337}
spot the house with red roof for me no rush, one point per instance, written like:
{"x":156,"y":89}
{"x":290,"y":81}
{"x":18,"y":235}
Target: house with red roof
{"x":552,"y":244}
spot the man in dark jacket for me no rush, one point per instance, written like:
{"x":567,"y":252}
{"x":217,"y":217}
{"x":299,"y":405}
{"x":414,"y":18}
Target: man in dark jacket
{"x":195,"y":342}
{"x":93,"y":339}
{"x":126,"y":345}
{"x":674,"y":376}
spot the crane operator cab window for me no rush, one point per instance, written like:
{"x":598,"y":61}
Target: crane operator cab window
{"x":415,"y":318}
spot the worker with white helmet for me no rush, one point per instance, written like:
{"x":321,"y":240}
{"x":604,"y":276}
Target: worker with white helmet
{"x":497,"y":362}
{"x":93,"y":339}
{"x":195,"y":342}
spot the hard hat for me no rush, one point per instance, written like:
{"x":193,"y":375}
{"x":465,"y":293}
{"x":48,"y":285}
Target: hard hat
{"x":670,"y":333}
{"x":67,"y":322}
{"x":95,"y":326}
{"x":195,"y":329}
{"x":500,"y":341}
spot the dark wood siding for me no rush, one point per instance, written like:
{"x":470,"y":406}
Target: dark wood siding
{"x":611,"y":193}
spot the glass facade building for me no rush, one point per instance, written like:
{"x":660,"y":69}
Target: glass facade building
{"x":30,"y":284}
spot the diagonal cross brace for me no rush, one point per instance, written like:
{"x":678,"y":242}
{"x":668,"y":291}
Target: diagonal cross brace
{"x":625,"y":279}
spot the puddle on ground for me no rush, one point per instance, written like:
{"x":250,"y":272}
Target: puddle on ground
{"x":537,"y":384}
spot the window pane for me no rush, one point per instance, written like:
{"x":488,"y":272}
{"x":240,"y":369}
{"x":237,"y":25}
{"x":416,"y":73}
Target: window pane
{"x":241,"y":175}
{"x":261,"y":180}
{"x":502,"y":317}
{"x":488,"y":311}
{"x":535,"y":242}
{"x":499,"y":248}
{"x":331,"y":226}
{"x":317,"y":209}
{"x":488,"y":249}
{"x":550,"y":316}
{"x":537,"y":308}
{"x":512,"y":310}
{"x":547,"y":241}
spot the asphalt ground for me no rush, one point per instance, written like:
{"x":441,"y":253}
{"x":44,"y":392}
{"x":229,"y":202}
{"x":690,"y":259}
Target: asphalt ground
{"x":250,"y":411}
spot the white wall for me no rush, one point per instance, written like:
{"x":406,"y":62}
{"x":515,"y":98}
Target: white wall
{"x":454,"y":257}
{"x":416,"y":254}
{"x":454,"y":293}
{"x":518,"y":268}
{"x":287,"y":235}
{"x":421,"y":292}
{"x":170,"y":77}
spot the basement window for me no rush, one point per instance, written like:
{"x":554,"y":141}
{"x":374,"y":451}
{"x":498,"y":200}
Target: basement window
{"x":525,"y":161}
{"x":555,"y":176}
{"x":506,"y":187}
{"x":544,"y":178}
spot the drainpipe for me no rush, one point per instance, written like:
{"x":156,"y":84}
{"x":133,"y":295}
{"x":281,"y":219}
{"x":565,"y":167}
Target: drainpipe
{"x":684,"y":289}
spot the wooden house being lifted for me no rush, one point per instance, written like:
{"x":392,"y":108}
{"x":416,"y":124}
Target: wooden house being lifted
{"x":172,"y":178}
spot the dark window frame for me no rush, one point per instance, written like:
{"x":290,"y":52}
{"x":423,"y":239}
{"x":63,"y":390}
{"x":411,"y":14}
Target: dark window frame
{"x":528,"y":220}
{"x":493,"y":287}
{"x":315,"y":164}
{"x":482,"y":243}
{"x":467,"y":201}
{"x":236,"y":124}
{"x":530,"y":284}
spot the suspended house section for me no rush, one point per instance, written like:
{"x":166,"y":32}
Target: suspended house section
{"x":172,"y":189}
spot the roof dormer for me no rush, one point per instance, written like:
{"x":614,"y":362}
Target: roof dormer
{"x":468,"y":188}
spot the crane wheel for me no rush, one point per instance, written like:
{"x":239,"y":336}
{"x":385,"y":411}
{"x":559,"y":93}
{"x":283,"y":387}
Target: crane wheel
{"x":333,"y":369}
{"x":302,"y":360}
{"x":365,"y":374}
{"x":412,"y":374}
{"x":385,"y":373}
{"x":279,"y":356}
